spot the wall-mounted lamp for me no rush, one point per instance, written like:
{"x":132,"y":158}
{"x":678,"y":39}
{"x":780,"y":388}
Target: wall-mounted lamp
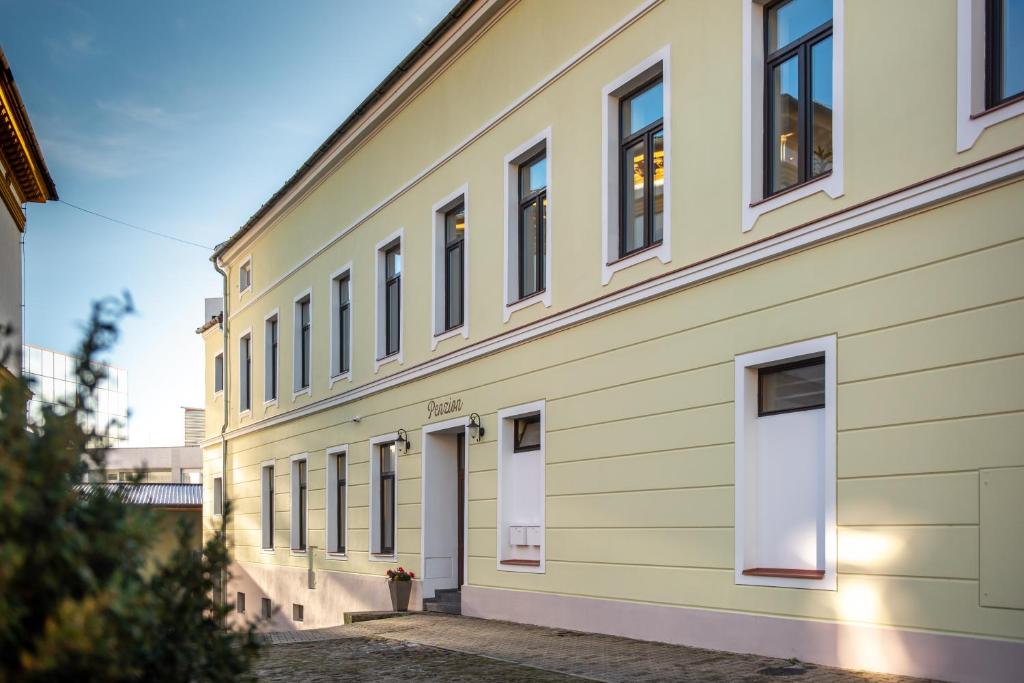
{"x":476,"y":428}
{"x":402,"y":440}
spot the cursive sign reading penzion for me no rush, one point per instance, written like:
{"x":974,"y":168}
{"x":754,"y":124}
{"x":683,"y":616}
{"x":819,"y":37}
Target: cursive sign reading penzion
{"x":440,"y":408}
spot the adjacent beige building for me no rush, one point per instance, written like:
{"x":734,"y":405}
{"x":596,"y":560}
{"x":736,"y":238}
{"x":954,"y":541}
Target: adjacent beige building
{"x":689,"y":320}
{"x":23,"y":178}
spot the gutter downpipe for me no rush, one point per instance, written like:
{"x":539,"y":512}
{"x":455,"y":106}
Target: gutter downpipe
{"x":227,"y":398}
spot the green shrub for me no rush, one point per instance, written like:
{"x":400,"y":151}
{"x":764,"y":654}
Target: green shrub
{"x":77,"y":600}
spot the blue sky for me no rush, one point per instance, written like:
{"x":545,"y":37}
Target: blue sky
{"x":183,"y":118}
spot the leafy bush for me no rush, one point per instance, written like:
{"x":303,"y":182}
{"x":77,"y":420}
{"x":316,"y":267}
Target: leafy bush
{"x":77,"y":599}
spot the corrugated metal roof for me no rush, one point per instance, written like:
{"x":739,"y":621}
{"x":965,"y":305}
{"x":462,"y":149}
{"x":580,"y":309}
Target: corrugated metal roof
{"x":164,"y":495}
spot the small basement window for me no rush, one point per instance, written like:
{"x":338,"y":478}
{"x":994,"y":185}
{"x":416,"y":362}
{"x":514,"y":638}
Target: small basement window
{"x":527,"y":434}
{"x":265,"y":608}
{"x":791,"y":387}
{"x":297,"y":612}
{"x":240,"y":603}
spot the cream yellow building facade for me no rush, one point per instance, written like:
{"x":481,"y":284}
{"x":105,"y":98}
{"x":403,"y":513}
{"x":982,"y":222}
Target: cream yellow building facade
{"x":639,"y":467}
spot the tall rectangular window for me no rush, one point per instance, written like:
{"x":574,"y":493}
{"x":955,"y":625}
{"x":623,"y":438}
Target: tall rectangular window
{"x":271,"y":355}
{"x":267,"y":505}
{"x":798,"y":92}
{"x":299,"y":501}
{"x":218,"y":496}
{"x":454,"y":266}
{"x":387,"y":454}
{"x":303,"y":342}
{"x":343,"y":324}
{"x":533,"y":207}
{"x":245,"y":373}
{"x":785,"y":466}
{"x":641,"y":168}
{"x":218,"y":373}
{"x":1004,"y":51}
{"x":245,"y":276}
{"x":341,"y":503}
{"x":392,"y":299}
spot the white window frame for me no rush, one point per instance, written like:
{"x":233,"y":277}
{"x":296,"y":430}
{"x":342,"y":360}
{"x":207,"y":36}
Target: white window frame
{"x":246,"y":264}
{"x":273,"y":315}
{"x":297,"y":390}
{"x":506,"y":421}
{"x":755,"y":204}
{"x":293,"y":531}
{"x":437,"y":213}
{"x":333,"y":374}
{"x":972,"y":117}
{"x":332,"y":500}
{"x":267,"y":507}
{"x":218,"y":393}
{"x":379,"y":360}
{"x":611,"y":95}
{"x":746,"y":456}
{"x":513,"y":160}
{"x":247,"y":333}
{"x":374,"y":546}
{"x":218,"y":496}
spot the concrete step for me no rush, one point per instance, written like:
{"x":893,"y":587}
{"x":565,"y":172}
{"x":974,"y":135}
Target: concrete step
{"x":356,"y":617}
{"x":442,"y":607}
{"x":447,"y":595}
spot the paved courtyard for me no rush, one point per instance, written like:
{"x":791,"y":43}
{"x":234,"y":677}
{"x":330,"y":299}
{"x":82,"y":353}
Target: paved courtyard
{"x":431,"y":647}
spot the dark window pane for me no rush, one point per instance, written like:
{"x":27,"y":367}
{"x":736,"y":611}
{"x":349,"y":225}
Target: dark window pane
{"x":344,"y":338}
{"x":218,"y":372}
{"x":791,"y":20}
{"x":454,"y":224}
{"x":783,"y":127}
{"x":633,"y":175}
{"x":453,"y":286}
{"x":642,"y":109}
{"x":1012,"y":57}
{"x":343,"y":295}
{"x":821,"y":107}
{"x":393,"y":262}
{"x":795,"y":386}
{"x":658,"y":189}
{"x":533,"y":177}
{"x":531,"y":275}
{"x":527,"y":433}
{"x":393,"y":304}
{"x":387,"y":501}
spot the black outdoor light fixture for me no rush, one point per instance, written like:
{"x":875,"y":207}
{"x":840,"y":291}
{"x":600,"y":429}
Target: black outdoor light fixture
{"x":402,"y":440}
{"x":476,"y":427}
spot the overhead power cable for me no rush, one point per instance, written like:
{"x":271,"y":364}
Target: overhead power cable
{"x":136,"y":227}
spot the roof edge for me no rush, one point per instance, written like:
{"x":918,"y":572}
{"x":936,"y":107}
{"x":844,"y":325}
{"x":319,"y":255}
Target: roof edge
{"x":47,"y":190}
{"x":377,"y":94}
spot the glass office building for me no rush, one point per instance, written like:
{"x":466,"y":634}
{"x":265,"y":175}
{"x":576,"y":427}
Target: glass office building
{"x":55,"y":382}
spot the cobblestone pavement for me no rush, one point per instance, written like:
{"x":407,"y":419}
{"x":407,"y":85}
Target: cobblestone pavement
{"x":427,"y":647}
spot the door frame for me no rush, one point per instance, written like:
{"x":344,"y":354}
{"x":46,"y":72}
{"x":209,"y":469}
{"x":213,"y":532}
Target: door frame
{"x":452,"y":426}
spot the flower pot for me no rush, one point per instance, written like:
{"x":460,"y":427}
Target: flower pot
{"x":400,"y":591}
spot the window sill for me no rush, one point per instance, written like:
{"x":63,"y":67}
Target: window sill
{"x":791,"y":189}
{"x":659,"y":250}
{"x":343,"y":377}
{"x":299,"y":552}
{"x":243,"y":292}
{"x":268,"y":551}
{"x":816,"y":574}
{"x":541,"y":296}
{"x":439,"y":337}
{"x":521,"y":563}
{"x":1016,"y":99}
{"x":337,"y":556}
{"x":391,"y":358}
{"x":272,"y":403}
{"x":245,"y":414}
{"x":308,"y":391}
{"x":633,"y":254}
{"x":830,"y":183}
{"x":383,"y":557}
